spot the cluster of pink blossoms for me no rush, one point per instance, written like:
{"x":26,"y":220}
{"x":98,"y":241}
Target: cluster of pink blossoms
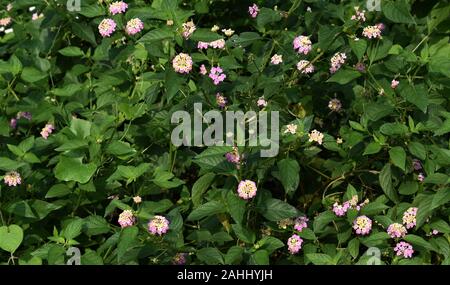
{"x":107,"y":27}
{"x":301,"y":223}
{"x":126,"y":219}
{"x":180,"y":258}
{"x":217,"y":44}
{"x":47,"y":130}
{"x":305,"y":66}
{"x":404,"y":249}
{"x":294,"y":244}
{"x":188,"y":29}
{"x":335,"y":105}
{"x":337,"y":61}
{"x":253,"y":10}
{"x":203,"y":70}
{"x":247,"y":189}
{"x":276,"y":59}
{"x":372,"y":32}
{"x":134,"y":26}
{"x":394,"y":83}
{"x":217,"y":75}
{"x":221,"y":100}
{"x":315,"y":136}
{"x":12,"y":178}
{"x":182,"y":63}
{"x":302,"y":44}
{"x":261,"y":102}
{"x":159,"y":225}
{"x":341,"y":210}
{"x":409,"y":217}
{"x":5,"y":21}
{"x":359,"y":15}
{"x":396,"y":230}
{"x":233,"y":156}
{"x":362,"y":225}
{"x":25,"y":115}
{"x":118,"y":7}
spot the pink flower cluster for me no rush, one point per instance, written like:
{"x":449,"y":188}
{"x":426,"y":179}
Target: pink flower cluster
{"x":335,"y":105}
{"x":253,"y":10}
{"x":5,"y":21}
{"x":47,"y":130}
{"x":372,"y":32}
{"x":182,"y":63}
{"x":337,"y":61}
{"x":276,"y":59}
{"x":301,"y":223}
{"x":188,"y":29}
{"x":396,"y":230}
{"x":203,"y":70}
{"x":118,"y":7}
{"x":261,"y":102}
{"x":221,"y":100}
{"x":302,"y":44}
{"x":404,"y":249}
{"x":217,"y":44}
{"x":409,"y":217}
{"x":341,"y":210}
{"x":12,"y":178}
{"x":217,"y":75}
{"x":247,"y":189}
{"x":159,"y":225}
{"x":305,"y":67}
{"x":233,"y":156}
{"x":359,"y":15}
{"x":394,"y":83}
{"x":134,"y":26}
{"x":25,"y":115}
{"x":107,"y":27}
{"x":294,"y":244}
{"x":126,"y":219}
{"x":362,"y":225}
{"x":180,"y":258}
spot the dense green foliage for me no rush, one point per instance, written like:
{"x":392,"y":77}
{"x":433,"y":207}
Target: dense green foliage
{"x":110,"y":100}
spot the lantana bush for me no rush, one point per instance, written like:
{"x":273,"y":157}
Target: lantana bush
{"x":358,"y":93}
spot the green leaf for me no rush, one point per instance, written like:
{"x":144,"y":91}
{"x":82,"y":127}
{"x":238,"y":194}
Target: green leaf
{"x":244,"y":234}
{"x":210,"y":255}
{"x":441,"y":197}
{"x":205,"y":35}
{"x":440,"y":226}
{"x":417,"y":149}
{"x":372,"y":148}
{"x":397,"y":11}
{"x":31,"y":74}
{"x":344,"y":76}
{"x":156,"y":35}
{"x":205,"y":210}
{"x":408,"y":188}
{"x":385,"y":179}
{"x":267,"y":16}
{"x":358,"y":47}
{"x":84,"y":32}
{"x":10,"y":238}
{"x":128,"y":241}
{"x":260,"y":257}
{"x":353,"y":247}
{"x":244,"y":39}
{"x":200,"y":186}
{"x":373,"y":208}
{"x":236,"y":207}
{"x":289,"y":174}
{"x":95,"y":225}
{"x":72,"y":169}
{"x":398,"y":157}
{"x":375,"y":239}
{"x":270,"y":244}
{"x":276,"y":210}
{"x":394,"y":129}
{"x":73,"y":229}
{"x":71,"y":51}
{"x":320,"y":259}
{"x":80,"y":128}
{"x":322,"y":220}
{"x":234,"y":255}
{"x":58,"y":190}
{"x":7,"y":164}
{"x":418,"y":241}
